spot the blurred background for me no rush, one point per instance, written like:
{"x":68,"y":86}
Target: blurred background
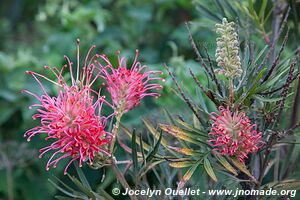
{"x":35,"y":33}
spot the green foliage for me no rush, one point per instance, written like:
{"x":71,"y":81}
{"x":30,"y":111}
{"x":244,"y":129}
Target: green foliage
{"x":37,"y":33}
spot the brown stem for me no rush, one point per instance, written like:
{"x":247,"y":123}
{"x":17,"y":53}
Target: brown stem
{"x":121,"y":178}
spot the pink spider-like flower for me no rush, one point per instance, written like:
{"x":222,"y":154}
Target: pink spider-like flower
{"x":233,"y":134}
{"x":128,"y":86}
{"x":72,"y":118}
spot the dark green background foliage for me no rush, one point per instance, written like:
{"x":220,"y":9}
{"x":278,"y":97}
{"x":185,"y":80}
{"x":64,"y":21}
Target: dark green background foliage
{"x":35,"y":33}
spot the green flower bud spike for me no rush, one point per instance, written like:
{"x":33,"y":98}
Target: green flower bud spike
{"x":227,"y":52}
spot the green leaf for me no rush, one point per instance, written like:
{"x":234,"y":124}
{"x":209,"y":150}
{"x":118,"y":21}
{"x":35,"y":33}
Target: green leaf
{"x":260,"y":54}
{"x":181,"y":164}
{"x":226,"y":164}
{"x":155,"y":133}
{"x":155,"y":149}
{"x":104,"y":194}
{"x":242,"y":167}
{"x":168,"y":116}
{"x":142,"y":150}
{"x":150,"y":166}
{"x":266,"y":99}
{"x":63,"y":190}
{"x":63,"y":198}
{"x":145,"y":146}
{"x":187,"y":176}
{"x":84,"y":189}
{"x":185,"y":151}
{"x":192,"y":129}
{"x":272,"y":81}
{"x":134,"y":152}
{"x":209,"y":169}
{"x":262,"y":9}
{"x":82,"y":176}
{"x":182,"y":134}
{"x":210,"y":14}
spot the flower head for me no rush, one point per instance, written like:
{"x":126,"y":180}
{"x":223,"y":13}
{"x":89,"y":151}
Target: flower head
{"x":227,"y":52}
{"x":72,"y":118}
{"x":128,"y":86}
{"x":233,"y":134}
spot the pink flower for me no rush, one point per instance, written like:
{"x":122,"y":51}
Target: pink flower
{"x":72,"y":119}
{"x":233,"y":134}
{"x":128,"y":86}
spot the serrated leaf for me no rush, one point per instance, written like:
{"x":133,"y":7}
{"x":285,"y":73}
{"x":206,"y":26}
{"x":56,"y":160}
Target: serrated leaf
{"x":209,"y":169}
{"x":226,"y":164}
{"x":186,"y":177}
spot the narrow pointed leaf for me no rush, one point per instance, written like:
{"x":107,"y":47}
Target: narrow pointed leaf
{"x":145,"y":146}
{"x":182,"y":164}
{"x":155,"y":149}
{"x":134,"y":152}
{"x":82,"y":177}
{"x":209,"y":169}
{"x":242,"y":167}
{"x":187,"y":176}
{"x":226,"y":164}
{"x":155,"y":133}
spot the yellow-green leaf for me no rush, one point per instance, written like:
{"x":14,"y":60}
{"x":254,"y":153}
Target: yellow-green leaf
{"x":181,"y":164}
{"x":209,"y":169}
{"x":181,"y":134}
{"x":154,"y":132}
{"x":242,"y":167}
{"x":186,"y":177}
{"x":226,"y":164}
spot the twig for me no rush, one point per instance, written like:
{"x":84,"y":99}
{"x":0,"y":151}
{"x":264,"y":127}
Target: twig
{"x":214,"y":78}
{"x":276,"y":61}
{"x":283,"y":94}
{"x":277,"y":89}
{"x":273,"y":43}
{"x":209,"y":94}
{"x":188,"y":102}
{"x":121,"y":178}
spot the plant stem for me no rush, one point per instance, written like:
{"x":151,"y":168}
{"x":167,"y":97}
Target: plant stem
{"x":119,"y":174}
{"x":121,"y":177}
{"x":115,"y":132}
{"x":231,"y":91}
{"x":9,"y":179}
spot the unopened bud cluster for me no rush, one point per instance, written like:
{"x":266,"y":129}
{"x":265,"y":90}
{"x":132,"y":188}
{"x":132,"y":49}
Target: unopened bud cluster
{"x":227,"y":52}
